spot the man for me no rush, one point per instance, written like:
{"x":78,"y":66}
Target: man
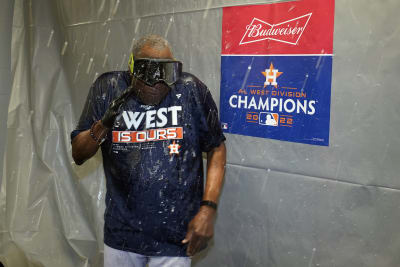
{"x":152,"y":124}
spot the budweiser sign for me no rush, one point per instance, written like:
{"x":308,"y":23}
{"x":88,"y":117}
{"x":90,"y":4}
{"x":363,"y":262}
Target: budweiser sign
{"x":288,"y":32}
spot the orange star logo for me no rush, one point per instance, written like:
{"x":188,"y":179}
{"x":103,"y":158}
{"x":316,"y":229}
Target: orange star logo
{"x":174,"y":148}
{"x":271,"y":75}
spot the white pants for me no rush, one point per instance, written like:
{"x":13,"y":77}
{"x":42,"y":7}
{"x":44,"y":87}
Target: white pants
{"x":118,"y":258}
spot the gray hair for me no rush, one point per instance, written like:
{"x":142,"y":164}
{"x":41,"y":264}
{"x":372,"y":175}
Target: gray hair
{"x":153,"y":40}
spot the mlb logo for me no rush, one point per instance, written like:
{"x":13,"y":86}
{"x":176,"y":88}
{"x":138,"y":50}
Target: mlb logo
{"x":269,"y":119}
{"x":224,"y":126}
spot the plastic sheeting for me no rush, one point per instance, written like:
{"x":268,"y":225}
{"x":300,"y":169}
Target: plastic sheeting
{"x":283,"y":204}
{"x":6,"y":14}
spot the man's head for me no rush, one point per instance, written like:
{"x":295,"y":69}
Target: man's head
{"x":152,"y":46}
{"x":145,"y":82}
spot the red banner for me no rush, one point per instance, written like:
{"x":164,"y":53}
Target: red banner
{"x":297,"y":27}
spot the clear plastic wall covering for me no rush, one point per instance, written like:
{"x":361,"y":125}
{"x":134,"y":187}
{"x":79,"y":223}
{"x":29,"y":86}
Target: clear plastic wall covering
{"x":6,"y":15}
{"x":283,"y":204}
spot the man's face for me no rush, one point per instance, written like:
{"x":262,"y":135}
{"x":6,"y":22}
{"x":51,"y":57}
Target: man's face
{"x":152,"y":95}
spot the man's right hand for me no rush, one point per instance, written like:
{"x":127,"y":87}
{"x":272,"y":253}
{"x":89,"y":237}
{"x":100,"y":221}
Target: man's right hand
{"x":113,"y":109}
{"x":83,"y":145}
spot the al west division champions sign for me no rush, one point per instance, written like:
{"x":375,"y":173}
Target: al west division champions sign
{"x":276,"y":70}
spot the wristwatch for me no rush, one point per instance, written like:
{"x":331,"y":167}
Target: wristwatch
{"x":98,"y":140}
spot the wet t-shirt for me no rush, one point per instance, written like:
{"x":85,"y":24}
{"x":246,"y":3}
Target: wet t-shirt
{"x":153,"y":163}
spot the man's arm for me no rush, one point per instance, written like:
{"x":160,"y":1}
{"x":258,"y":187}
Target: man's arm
{"x":201,"y":227}
{"x":84,"y":146}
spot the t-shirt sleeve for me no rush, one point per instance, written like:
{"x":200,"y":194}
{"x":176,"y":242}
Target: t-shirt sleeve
{"x":95,"y":106}
{"x":210,"y":130}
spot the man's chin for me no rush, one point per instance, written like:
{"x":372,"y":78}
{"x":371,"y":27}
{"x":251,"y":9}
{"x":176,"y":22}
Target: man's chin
{"x":152,"y":95}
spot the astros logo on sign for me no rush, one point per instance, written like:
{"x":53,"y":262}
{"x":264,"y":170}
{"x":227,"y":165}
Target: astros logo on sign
{"x":271,"y":75}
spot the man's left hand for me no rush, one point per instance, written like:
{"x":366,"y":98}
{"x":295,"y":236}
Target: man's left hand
{"x":200,"y":230}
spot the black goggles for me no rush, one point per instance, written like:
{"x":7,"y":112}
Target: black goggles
{"x":152,"y":71}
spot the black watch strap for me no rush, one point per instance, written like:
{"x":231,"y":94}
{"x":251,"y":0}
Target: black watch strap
{"x":209,"y":203}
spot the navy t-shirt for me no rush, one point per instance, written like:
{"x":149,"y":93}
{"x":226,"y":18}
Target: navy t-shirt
{"x":153,"y":163}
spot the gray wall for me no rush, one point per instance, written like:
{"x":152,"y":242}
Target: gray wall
{"x":283,"y":204}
